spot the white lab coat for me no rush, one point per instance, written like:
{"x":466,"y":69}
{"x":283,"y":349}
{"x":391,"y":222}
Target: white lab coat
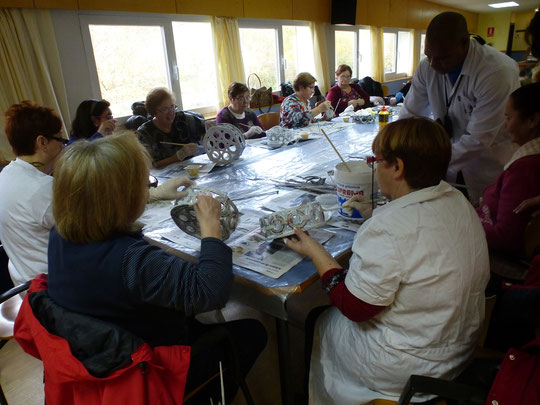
{"x":424,"y":256}
{"x":480,"y":144}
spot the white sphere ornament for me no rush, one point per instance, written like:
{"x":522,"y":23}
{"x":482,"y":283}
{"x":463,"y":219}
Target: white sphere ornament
{"x":224,"y":143}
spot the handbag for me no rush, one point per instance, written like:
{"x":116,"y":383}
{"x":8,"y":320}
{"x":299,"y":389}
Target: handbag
{"x":261,"y":97}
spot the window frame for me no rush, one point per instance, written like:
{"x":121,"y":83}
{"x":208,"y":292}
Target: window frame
{"x":391,"y":76}
{"x":136,"y":19}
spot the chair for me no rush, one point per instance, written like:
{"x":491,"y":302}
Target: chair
{"x":216,"y":336}
{"x":6,"y":323}
{"x":384,"y":90}
{"x":269,"y":120}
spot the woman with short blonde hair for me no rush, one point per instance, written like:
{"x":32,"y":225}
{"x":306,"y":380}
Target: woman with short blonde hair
{"x":413,"y":295}
{"x":169,"y":127}
{"x":79,"y":211}
{"x":295,"y":111}
{"x":99,"y":265}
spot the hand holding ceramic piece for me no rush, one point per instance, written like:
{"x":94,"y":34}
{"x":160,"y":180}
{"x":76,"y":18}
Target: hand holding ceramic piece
{"x":183,"y":213}
{"x":283,"y":223}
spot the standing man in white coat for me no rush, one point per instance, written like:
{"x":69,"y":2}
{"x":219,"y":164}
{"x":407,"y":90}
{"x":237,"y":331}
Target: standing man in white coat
{"x":465,"y":85}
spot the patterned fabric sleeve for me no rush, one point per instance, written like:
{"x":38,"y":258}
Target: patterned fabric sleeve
{"x":294,"y":113}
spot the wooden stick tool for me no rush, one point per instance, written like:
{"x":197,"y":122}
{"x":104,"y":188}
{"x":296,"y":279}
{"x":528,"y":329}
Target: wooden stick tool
{"x":328,"y":139}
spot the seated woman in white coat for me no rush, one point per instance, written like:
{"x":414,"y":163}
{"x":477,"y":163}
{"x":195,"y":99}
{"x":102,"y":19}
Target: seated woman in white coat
{"x":412,"y":300}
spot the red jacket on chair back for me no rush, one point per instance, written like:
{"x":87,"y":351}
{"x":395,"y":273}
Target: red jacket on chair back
{"x":142,"y":376}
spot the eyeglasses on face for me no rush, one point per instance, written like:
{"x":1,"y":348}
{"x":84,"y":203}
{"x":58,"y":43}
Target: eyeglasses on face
{"x":63,"y":141}
{"x":152,"y":182}
{"x":243,"y":99}
{"x":166,"y":110}
{"x":373,"y":160}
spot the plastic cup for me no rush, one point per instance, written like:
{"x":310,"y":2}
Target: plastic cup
{"x":346,"y":119}
{"x":304,"y":135}
{"x":193,"y":170}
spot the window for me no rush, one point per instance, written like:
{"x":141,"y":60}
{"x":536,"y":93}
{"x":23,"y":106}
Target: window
{"x":130,"y":60}
{"x":196,"y":65}
{"x":346,"y":49}
{"x":297,"y":56}
{"x":354,"y":48}
{"x":259,"y":51}
{"x":129,"y":56}
{"x":365,"y":51}
{"x":397,"y":53}
{"x":422,"y":45}
{"x":276,"y":50}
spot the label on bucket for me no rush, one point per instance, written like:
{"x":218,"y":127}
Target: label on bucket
{"x":345,"y":192}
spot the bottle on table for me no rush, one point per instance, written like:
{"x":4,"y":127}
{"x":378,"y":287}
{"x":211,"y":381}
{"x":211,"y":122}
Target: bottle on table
{"x":384,"y":117}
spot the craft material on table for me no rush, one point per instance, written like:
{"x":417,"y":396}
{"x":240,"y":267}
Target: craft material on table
{"x":271,"y":258}
{"x":284,"y":223}
{"x":224,"y":143}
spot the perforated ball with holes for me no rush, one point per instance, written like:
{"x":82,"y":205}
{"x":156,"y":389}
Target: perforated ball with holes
{"x":283,"y":223}
{"x":224,"y":143}
{"x":184,"y":216}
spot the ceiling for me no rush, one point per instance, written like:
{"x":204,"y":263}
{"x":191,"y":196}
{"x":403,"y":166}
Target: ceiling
{"x":481,"y":6}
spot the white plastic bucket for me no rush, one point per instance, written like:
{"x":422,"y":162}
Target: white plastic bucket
{"x":351,"y":183}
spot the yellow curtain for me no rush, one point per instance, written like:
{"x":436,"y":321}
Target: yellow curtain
{"x":320,"y":53}
{"x":230,"y":65}
{"x":29,"y":65}
{"x":377,"y":68}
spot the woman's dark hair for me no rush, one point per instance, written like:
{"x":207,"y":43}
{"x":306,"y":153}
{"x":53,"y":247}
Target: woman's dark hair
{"x":236,"y":89}
{"x":82,"y":126}
{"x":525,"y":100}
{"x":24,"y":122}
{"x":532,"y":34}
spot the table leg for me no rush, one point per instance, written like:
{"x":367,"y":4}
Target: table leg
{"x":285,"y":363}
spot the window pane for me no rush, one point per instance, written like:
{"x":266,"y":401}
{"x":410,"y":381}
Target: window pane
{"x":365,"y":57}
{"x":130,"y":60}
{"x":196,"y":64}
{"x":405,"y":51}
{"x":345,"y":52}
{"x":389,"y":55}
{"x":259,"y":51}
{"x":298,"y":51}
{"x":422,"y":44}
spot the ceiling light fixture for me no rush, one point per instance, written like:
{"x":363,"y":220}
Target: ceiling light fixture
{"x":502,"y":5}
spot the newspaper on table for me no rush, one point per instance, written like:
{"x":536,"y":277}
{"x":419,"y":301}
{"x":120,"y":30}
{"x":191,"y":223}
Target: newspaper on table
{"x":271,"y":258}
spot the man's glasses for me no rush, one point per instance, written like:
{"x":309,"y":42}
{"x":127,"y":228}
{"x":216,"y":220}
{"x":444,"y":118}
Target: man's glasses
{"x":165,"y":110}
{"x":63,"y":141}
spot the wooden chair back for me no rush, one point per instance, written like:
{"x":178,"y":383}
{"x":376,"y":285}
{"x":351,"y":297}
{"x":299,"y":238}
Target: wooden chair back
{"x":269,"y":120}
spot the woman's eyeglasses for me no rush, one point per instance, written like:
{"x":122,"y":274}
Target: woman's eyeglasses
{"x":373,"y":160}
{"x":63,"y":141}
{"x":165,"y":110}
{"x":243,"y":99}
{"x":152,"y":182}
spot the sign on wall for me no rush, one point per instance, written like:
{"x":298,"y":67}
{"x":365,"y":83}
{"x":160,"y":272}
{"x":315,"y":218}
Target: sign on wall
{"x":491,"y":31}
